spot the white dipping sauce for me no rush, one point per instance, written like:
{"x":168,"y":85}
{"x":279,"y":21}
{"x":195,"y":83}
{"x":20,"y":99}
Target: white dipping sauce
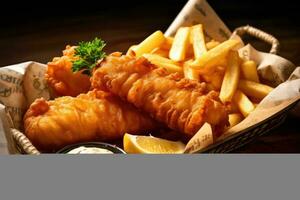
{"x":89,"y":150}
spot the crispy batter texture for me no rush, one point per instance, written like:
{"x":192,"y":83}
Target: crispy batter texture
{"x":183,"y":105}
{"x":60,"y":78}
{"x":95,"y":116}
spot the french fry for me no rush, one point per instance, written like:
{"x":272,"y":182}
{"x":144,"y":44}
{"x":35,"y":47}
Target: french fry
{"x":160,"y":52}
{"x":216,"y":82}
{"x":168,"y":43}
{"x":253,"y":89}
{"x":130,"y":51}
{"x":217,"y":77}
{"x":153,"y":41}
{"x":231,"y":77}
{"x":249,"y":71}
{"x":169,"y":40}
{"x":190,"y":73}
{"x":244,"y":104}
{"x":180,"y":43}
{"x":235,"y":118}
{"x":197,"y":40}
{"x":158,"y":58}
{"x":213,"y":56}
{"x":214,"y":76}
{"x":212,"y":44}
{"x":166,"y":63}
{"x":171,"y":68}
{"x":189,"y":52}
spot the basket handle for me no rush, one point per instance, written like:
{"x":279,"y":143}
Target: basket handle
{"x":24,"y":143}
{"x":257,"y":33}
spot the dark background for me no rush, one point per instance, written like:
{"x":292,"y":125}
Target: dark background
{"x":39,"y":31}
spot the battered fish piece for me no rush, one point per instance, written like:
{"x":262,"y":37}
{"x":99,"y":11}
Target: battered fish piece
{"x":183,"y":105}
{"x":60,"y":78}
{"x":95,"y":116}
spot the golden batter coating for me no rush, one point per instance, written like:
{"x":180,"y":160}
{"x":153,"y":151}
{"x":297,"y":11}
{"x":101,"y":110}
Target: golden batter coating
{"x":60,"y":78}
{"x":183,"y":105}
{"x":95,"y":116}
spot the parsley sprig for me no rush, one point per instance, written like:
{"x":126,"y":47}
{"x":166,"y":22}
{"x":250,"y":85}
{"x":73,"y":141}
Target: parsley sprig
{"x":88,"y":54}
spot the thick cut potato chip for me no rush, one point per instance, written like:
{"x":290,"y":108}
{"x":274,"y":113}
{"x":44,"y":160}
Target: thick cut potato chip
{"x":190,"y":73}
{"x":130,"y":51}
{"x":189,"y":52}
{"x":153,"y":41}
{"x":171,"y":68}
{"x":168,"y":43}
{"x":235,"y":118}
{"x":214,"y":76}
{"x":213,"y":56}
{"x":212,"y":44}
{"x":166,"y":63}
{"x":244,"y":104}
{"x":249,"y":71}
{"x":157,"y":58}
{"x":253,"y":89}
{"x":197,"y":40}
{"x":180,"y":44}
{"x":231,"y":77}
{"x":160,"y":52}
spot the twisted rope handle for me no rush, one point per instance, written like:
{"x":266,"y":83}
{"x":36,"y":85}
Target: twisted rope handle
{"x":257,"y":33}
{"x":24,"y":143}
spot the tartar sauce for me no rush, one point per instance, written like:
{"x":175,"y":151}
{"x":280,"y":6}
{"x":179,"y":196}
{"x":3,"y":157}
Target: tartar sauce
{"x":89,"y":150}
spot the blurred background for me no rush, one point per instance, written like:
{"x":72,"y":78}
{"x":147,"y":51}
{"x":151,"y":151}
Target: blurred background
{"x":39,"y":31}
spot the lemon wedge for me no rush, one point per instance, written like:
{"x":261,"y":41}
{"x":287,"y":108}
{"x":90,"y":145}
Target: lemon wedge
{"x":151,"y":145}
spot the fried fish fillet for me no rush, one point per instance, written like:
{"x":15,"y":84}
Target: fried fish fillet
{"x":95,"y":116}
{"x":60,"y":78}
{"x":183,"y":105}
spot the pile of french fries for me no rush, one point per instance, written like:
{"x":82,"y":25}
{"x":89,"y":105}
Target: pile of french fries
{"x":217,"y":64}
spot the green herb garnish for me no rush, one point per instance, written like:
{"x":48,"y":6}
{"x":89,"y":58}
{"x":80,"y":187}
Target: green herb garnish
{"x":88,"y":54}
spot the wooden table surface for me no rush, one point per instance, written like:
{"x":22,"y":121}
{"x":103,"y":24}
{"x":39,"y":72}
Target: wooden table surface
{"x":39,"y":35}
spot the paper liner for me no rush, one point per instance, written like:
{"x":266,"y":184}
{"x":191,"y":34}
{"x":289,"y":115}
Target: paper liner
{"x":200,"y":12}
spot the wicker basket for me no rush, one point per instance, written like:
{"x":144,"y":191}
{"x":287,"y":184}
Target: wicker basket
{"x":24,"y":146}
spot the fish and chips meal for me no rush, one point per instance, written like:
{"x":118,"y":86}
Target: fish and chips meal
{"x":152,"y":99}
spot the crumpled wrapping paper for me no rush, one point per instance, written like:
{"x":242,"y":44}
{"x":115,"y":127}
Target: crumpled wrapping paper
{"x":21,"y":84}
